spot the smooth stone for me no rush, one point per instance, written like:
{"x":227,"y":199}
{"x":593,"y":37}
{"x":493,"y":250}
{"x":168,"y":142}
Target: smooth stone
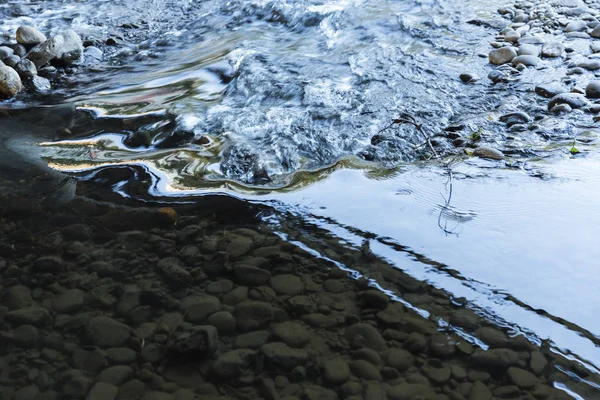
{"x":365,"y":370}
{"x":595,"y":47}
{"x":336,"y":371}
{"x":251,"y":340}
{"x":233,"y":363}
{"x":497,"y":76}
{"x":538,"y":362}
{"x":438,"y":375}
{"x":399,"y":359}
{"x":287,"y":284}
{"x":528,"y":50}
{"x":223,"y":321}
{"x":116,"y":375}
{"x":36,"y":316}
{"x":39,"y":84}
{"x":550,"y":90}
{"x":103,"y":391}
{"x":369,"y":333}
{"x":574,"y":100}
{"x":10,"y":82}
{"x":219,"y":287}
{"x":408,"y":391}
{"x":69,"y":302}
{"x":488,"y":152}
{"x":502,"y":55}
{"x":251,"y":276}
{"x":528,"y":61}
{"x":26,"y":336}
{"x":592,"y":90}
{"x":106,"y":332}
{"x":576,"y":26}
{"x":12,"y":61}
{"x":198,"y":308}
{"x":71,"y":49}
{"x":441,"y":345}
{"x":44,"y":52}
{"x":292,"y":333}
{"x":495,"y":358}
{"x":282,"y":356}
{"x":468,"y":78}
{"x":253,"y":315}
{"x":121,"y":355}
{"x":17,"y":297}
{"x":29,"y":36}
{"x":553,"y":49}
{"x":334,"y":286}
{"x":376,"y":298}
{"x":5,"y":52}
{"x":521,"y":378}
{"x":480,"y":391}
{"x":92,"y":54}
{"x":560,"y":109}
{"x":595,"y":33}
{"x":512,"y":36}
{"x":531,"y":39}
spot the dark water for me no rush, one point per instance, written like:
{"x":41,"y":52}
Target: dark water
{"x":286,"y":104}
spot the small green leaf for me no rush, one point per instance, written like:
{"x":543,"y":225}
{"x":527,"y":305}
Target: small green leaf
{"x":574,"y":150}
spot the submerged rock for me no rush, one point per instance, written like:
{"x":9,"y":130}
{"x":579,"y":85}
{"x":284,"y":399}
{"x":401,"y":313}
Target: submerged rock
{"x":10,"y":82}
{"x":574,"y":100}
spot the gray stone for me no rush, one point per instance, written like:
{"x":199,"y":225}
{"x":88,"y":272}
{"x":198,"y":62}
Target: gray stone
{"x":17,"y":297}
{"x":287,"y":284}
{"x":70,"y":301}
{"x":198,"y":308}
{"x":512,"y":36}
{"x":365,"y":370}
{"x":595,"y":33}
{"x":106,"y":332}
{"x":251,"y":340}
{"x":576,"y":26}
{"x":10,"y":82}
{"x":77,"y":387}
{"x":594,"y":46}
{"x":251,"y":276}
{"x":480,"y":391}
{"x":553,"y":49}
{"x":502,"y":55}
{"x":521,"y":378}
{"x":92,"y":54}
{"x":551,"y":89}
{"x":528,"y":61}
{"x":50,"y":264}
{"x":529,"y":50}
{"x":574,"y":100}
{"x":408,"y":391}
{"x":253,"y":315}
{"x":12,"y":61}
{"x":438,"y":375}
{"x":538,"y":362}
{"x":219,"y":287}
{"x":282,"y":356}
{"x":26,"y":336}
{"x":72,"y":48}
{"x":336,"y":371}
{"x":40,"y":84}
{"x":116,"y":375}
{"x":488,"y":152}
{"x":496,"y":358}
{"x":44,"y":52}
{"x":203,"y":339}
{"x":232,"y":364}
{"x":29,"y":36}
{"x":560,"y":109}
{"x":292,"y":333}
{"x":592,"y":90}
{"x":370,"y":334}
{"x":121,"y":355}
{"x":173,"y":271}
{"x":441,"y":345}
{"x":153,"y":353}
{"x":36,"y":316}
{"x":103,"y":391}
{"x":5,"y":52}
{"x":223,"y":321}
{"x":468,"y":77}
{"x":399,"y":359}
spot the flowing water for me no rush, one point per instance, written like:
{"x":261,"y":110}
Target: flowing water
{"x":292,"y":103}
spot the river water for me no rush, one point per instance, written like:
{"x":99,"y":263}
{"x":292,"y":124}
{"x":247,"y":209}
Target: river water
{"x":289,"y":104}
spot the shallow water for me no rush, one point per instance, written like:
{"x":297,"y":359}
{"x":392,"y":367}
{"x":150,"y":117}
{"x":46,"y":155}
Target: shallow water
{"x":292,"y":99}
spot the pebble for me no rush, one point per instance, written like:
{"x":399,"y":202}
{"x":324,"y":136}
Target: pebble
{"x":408,"y":391}
{"x":550,"y":90}
{"x":502,"y":55}
{"x":576,"y":26}
{"x":495,"y":358}
{"x":480,"y":391}
{"x":595,"y":33}
{"x":233,"y":363}
{"x":538,"y":362}
{"x":292,"y":333}
{"x":253,"y":315}
{"x":69,"y":302}
{"x":251,"y":276}
{"x":337,"y":371}
{"x":106,"y":332}
{"x":287,"y":284}
{"x":488,"y":152}
{"x":223,"y":321}
{"x":251,"y":340}
{"x":592,"y":90}
{"x":26,"y":336}
{"x":365,"y":370}
{"x":521,"y":378}
{"x":44,"y":52}
{"x":26,"y":69}
{"x":103,"y":391}
{"x":370,"y":334}
{"x":281,"y":356}
{"x":528,"y":50}
{"x":5,"y":52}
{"x":528,"y":61}
{"x":198,"y":308}
{"x":36,"y":316}
{"x":590,"y":65}
{"x":574,"y":100}
{"x":553,"y":49}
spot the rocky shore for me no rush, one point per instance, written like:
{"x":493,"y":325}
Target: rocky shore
{"x":107,"y":301}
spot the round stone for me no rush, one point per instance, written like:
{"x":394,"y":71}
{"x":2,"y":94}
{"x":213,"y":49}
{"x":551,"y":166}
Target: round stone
{"x":29,"y":36}
{"x":287,"y":284}
{"x":337,"y":371}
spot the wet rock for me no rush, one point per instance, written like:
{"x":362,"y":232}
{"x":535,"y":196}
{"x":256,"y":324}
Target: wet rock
{"x":282,"y":356}
{"x":251,"y":340}
{"x":30,"y":392}
{"x":106,"y":332}
{"x":560,"y":109}
{"x":223,"y":321}
{"x":592,"y":90}
{"x":251,"y":276}
{"x":528,"y":61}
{"x":77,"y":387}
{"x":10,"y":82}
{"x":438,"y":374}
{"x":506,"y":392}
{"x":121,"y":355}
{"x":36,"y":316}
{"x":408,"y":391}
{"x":17,"y":297}
{"x":495,"y":358}
{"x":39,"y":84}
{"x":553,"y":49}
{"x":376,"y":298}
{"x":590,"y":65}
{"x":365,"y":370}
{"x":253,"y":315}
{"x":233,"y":363}
{"x":219,"y":287}
{"x":537,"y":363}
{"x":172,"y":269}
{"x":314,"y":392}
{"x":44,"y":52}
{"x":441,"y":345}
{"x":12,"y":61}
{"x":5,"y":52}
{"x":574,"y":100}
{"x":26,"y":336}
{"x":26,"y":69}
{"x":92,"y":54}
{"x":399,"y":359}
{"x":236,"y":296}
{"x":103,"y":391}
{"x":371,"y":336}
{"x":468,"y":78}
{"x":334,"y":286}
{"x":29,"y":36}
{"x":576,"y":26}
{"x":550,"y":90}
{"x":480,"y":391}
{"x":595,"y":33}
{"x":116,"y":375}
{"x":198,"y":308}
{"x":488,"y":152}
{"x":202,"y":339}
{"x":522,"y":378}
{"x":498,"y":76}
{"x":512,"y":36}
{"x":502,"y":55}
{"x":237,"y":245}
{"x":70,"y":301}
{"x":458,"y":372}
{"x":133,"y":389}
{"x":153,"y":353}
{"x":71,"y":49}
{"x":528,"y":50}
{"x":292,"y":333}
{"x":287,"y":284}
